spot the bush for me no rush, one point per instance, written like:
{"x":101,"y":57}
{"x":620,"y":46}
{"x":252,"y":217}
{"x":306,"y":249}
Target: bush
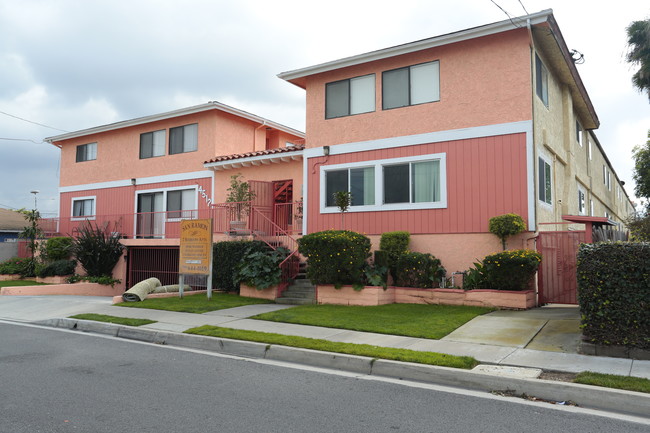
{"x":393,"y":245}
{"x":97,"y":249}
{"x":335,"y":256}
{"x":261,"y":269}
{"x":58,"y":248}
{"x":13,"y":266}
{"x":58,"y":268}
{"x":506,"y":225}
{"x":614,"y":293}
{"x":227,"y":255}
{"x":418,"y":270}
{"x":511,"y":270}
{"x":476,"y":277}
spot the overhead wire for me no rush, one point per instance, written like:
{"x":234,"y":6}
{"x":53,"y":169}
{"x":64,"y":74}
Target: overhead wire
{"x":507,"y":14}
{"x":31,"y":121}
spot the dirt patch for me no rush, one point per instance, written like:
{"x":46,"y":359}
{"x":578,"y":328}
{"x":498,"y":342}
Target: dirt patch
{"x":558,"y":376}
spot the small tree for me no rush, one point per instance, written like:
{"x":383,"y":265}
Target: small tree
{"x":32,"y":233}
{"x":97,"y":249}
{"x":241,"y":194}
{"x":506,"y":225}
{"x":342,"y":200}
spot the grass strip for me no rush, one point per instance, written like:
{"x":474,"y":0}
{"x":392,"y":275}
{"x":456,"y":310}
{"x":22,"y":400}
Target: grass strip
{"x":628,"y":383}
{"x":410,"y":320}
{"x":113,"y":319}
{"x":16,"y":283}
{"x":430,"y":358}
{"x":195,"y":303}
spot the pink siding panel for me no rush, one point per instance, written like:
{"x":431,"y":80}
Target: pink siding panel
{"x":485,"y":177}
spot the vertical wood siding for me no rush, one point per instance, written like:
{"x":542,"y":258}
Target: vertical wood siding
{"x":485,"y":177}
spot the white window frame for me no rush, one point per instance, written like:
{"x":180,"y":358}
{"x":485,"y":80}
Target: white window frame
{"x":550,"y":164}
{"x":541,"y":81}
{"x":92,"y":216}
{"x":88,"y":155}
{"x":411,"y":89}
{"x":607,"y":177}
{"x":351,"y":92}
{"x":582,"y":204}
{"x":379,"y":184}
{"x":591,"y":208}
{"x":164,"y":200}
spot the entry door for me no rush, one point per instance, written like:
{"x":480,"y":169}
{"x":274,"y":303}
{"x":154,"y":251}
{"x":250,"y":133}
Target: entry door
{"x":150,"y":218}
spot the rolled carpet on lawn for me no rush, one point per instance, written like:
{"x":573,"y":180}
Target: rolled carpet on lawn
{"x":140,"y":291}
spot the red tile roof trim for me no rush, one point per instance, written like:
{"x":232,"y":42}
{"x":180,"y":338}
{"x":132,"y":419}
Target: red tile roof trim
{"x":288,"y":149}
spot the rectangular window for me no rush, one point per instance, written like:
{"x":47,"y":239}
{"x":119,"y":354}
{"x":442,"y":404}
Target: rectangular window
{"x":417,"y":84}
{"x":352,"y":96}
{"x":579,"y":133}
{"x":591,"y":208}
{"x":607,"y":178}
{"x":541,"y":80}
{"x":417,"y":182}
{"x":183,"y":139}
{"x":360,"y":182}
{"x":589,"y":150}
{"x":152,"y":144}
{"x":582,"y":202}
{"x":180,"y":203}
{"x":87,"y":152}
{"x":83,"y":207}
{"x":544,"y":182}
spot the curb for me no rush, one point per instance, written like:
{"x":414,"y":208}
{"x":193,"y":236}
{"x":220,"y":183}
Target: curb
{"x":606,"y":399}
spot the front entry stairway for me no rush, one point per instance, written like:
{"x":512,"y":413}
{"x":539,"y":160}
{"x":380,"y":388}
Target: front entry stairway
{"x":300,"y":292}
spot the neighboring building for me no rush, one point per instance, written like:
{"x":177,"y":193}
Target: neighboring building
{"x":434,"y":137}
{"x":439,"y":135}
{"x":11,"y":224}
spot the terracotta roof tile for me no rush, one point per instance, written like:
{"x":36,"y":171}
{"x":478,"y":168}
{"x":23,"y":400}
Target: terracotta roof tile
{"x":288,"y":149}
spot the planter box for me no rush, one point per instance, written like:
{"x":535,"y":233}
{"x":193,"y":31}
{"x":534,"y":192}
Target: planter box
{"x":269,"y":293}
{"x":78,"y":289}
{"x":346,"y":295}
{"x":374,"y":295}
{"x":9,"y":277}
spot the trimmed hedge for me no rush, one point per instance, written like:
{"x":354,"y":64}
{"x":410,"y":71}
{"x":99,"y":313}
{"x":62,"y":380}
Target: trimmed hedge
{"x":58,"y":248}
{"x":418,"y":270}
{"x":227,"y":255}
{"x":511,"y":270}
{"x":335,"y":256}
{"x":58,"y":268}
{"x":614,"y":293}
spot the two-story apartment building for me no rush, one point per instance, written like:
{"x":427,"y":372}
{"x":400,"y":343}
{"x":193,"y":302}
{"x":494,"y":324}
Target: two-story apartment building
{"x":434,"y":137}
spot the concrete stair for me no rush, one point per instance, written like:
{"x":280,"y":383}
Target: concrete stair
{"x":300,"y":292}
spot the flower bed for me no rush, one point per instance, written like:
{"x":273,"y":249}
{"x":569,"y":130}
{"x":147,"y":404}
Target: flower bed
{"x":374,"y":295}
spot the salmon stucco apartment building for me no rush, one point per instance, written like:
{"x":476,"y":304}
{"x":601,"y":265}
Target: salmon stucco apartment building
{"x":434,"y":137}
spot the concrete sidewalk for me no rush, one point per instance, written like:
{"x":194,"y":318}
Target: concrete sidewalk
{"x":543,"y":338}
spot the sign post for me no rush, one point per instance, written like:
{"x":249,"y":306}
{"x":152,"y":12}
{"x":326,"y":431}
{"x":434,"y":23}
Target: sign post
{"x":195,"y":252}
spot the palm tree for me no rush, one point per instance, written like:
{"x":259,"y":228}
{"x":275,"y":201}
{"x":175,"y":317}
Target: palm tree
{"x":638,"y":40}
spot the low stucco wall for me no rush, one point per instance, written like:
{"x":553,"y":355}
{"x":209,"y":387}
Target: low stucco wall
{"x":78,"y":289}
{"x":269,"y":293}
{"x":373,"y":295}
{"x":118,"y":299}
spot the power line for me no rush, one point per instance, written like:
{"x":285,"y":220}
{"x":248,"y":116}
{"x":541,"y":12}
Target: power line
{"x":22,"y":139}
{"x":523,"y":7}
{"x":507,"y":14}
{"x":29,"y":121}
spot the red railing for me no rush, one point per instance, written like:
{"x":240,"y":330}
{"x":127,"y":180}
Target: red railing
{"x":289,"y":217}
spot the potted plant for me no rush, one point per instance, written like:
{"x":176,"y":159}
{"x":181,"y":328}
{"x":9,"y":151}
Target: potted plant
{"x":241,"y":195}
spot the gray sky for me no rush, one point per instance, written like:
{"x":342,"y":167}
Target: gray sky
{"x":72,"y":64}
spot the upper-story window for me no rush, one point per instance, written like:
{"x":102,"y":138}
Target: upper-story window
{"x":87,"y":152}
{"x":152,"y":144}
{"x":352,"y":96}
{"x":579,"y":133}
{"x":545,"y":184}
{"x":541,"y":80}
{"x":183,"y":139}
{"x":607,"y":177}
{"x":411,"y":85}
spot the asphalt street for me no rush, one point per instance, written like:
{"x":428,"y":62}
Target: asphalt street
{"x":60,"y":381}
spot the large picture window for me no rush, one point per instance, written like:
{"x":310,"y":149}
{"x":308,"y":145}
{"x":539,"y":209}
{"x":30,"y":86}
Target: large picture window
{"x":152,"y":144}
{"x":87,"y":152}
{"x":417,"y":84}
{"x":183,"y":139}
{"x":417,"y":182}
{"x":352,"y":96}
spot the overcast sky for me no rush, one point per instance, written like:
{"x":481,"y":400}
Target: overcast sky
{"x":76,"y":64}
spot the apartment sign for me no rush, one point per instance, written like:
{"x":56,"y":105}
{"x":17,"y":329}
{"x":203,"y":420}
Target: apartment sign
{"x":196,"y":247}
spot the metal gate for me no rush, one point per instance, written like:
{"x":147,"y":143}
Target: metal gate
{"x":148,"y":262}
{"x":558,"y":282}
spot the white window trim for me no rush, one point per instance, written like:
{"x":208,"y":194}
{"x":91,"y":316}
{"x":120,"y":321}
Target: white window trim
{"x":584,"y":193}
{"x":542,"y":202}
{"x":165,"y":191}
{"x":82,"y":218}
{"x":379,"y":184}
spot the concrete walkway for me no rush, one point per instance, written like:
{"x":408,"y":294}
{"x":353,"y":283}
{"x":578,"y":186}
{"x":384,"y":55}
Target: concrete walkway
{"x":544,"y":338}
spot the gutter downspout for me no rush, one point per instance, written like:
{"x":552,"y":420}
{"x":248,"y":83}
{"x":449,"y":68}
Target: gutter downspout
{"x":532,"y":109}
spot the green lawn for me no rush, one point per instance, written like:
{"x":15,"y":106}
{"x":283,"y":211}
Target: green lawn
{"x":113,"y":319}
{"x":195,"y":303}
{"x":376,"y":352}
{"x":411,"y":320}
{"x":627,"y":383}
{"x":14,"y":283}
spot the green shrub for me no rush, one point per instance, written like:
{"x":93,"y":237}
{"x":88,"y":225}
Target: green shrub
{"x":614,"y":293}
{"x":227,"y":255}
{"x":393,"y":245}
{"x":104,"y":279}
{"x":58,"y":248}
{"x":97,"y":249}
{"x":58,"y":268}
{"x":476,"y":277}
{"x":418,"y":270}
{"x":261,"y":269}
{"x":15,"y":265}
{"x":506,"y":225}
{"x":511,"y":270}
{"x":335,"y":256}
